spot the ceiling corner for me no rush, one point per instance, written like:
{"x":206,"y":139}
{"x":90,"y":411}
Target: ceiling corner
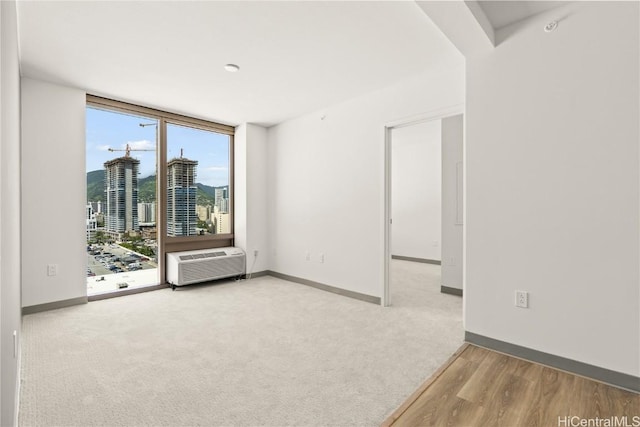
{"x":463,"y":23}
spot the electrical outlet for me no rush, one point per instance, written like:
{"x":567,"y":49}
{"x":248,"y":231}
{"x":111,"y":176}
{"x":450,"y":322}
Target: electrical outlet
{"x":52,"y":269}
{"x":522,"y":299}
{"x":255,"y":253}
{"x":307,"y":256}
{"x":321,"y":258}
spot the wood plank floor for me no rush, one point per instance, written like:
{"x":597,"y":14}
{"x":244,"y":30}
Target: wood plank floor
{"x":479,"y":387}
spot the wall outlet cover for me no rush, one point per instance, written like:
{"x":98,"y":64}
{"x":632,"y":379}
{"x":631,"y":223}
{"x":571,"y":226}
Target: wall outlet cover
{"x":52,"y":269}
{"x":522,"y":299}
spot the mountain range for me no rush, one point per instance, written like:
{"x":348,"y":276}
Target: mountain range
{"x":205,"y":195}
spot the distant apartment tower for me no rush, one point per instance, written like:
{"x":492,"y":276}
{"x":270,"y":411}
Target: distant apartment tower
{"x":147,"y":213}
{"x":97,"y":206}
{"x":222,"y":199}
{"x":92,"y":227}
{"x":223,"y":223}
{"x":121,"y":195}
{"x":204,"y":212}
{"x":224,"y":205}
{"x":181,"y":197}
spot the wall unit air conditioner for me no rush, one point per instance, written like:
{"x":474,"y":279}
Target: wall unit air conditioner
{"x":185,"y":268}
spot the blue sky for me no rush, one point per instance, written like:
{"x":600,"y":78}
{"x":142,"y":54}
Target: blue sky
{"x":107,"y":129}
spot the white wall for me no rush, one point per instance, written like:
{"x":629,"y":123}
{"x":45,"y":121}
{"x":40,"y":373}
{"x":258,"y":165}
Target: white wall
{"x":416,"y":193}
{"x":53,"y":192}
{"x":9,"y":213}
{"x":452,"y":201}
{"x":326,"y":182}
{"x":552,"y":200}
{"x":250,"y":207}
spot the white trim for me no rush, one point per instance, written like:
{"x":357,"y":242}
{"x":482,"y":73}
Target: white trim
{"x":386,"y":262}
{"x":464,"y":221}
{"x":437,"y":114}
{"x":459,"y":193}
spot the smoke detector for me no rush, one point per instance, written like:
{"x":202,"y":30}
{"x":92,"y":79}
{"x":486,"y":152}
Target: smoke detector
{"x":551,"y":26}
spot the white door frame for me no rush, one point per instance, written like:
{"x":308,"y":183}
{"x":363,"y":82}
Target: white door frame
{"x":425,"y":117}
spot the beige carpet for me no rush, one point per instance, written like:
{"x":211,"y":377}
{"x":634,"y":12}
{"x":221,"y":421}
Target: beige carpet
{"x":258,"y":352}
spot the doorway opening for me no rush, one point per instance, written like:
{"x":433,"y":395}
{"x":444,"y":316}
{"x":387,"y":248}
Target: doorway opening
{"x":423,"y":209}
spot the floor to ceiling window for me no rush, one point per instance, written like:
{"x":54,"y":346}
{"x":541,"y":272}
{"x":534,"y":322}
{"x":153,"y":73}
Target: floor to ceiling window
{"x":198,"y":198}
{"x":156,"y":182}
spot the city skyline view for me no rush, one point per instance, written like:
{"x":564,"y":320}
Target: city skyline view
{"x":122,"y":174}
{"x":109,"y":129}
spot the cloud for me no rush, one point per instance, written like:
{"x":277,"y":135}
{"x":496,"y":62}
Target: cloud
{"x":141,"y":145}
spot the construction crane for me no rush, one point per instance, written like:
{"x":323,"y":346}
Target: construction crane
{"x":127,"y":150}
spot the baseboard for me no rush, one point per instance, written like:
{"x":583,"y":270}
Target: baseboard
{"x":452,"y":291}
{"x":257,"y":274}
{"x":412,"y":259}
{"x":328,"y":288}
{"x":607,"y":376}
{"x":53,"y":305}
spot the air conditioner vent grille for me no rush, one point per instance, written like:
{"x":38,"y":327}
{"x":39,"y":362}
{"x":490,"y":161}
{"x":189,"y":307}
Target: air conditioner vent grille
{"x":184,"y":268}
{"x":212,"y":268}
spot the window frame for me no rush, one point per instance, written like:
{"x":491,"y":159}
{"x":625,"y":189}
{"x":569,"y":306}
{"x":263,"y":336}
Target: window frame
{"x":200,"y":125}
{"x":167,"y":243}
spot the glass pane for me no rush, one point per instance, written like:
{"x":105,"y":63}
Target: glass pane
{"x":198,"y":198}
{"x":121,"y":201}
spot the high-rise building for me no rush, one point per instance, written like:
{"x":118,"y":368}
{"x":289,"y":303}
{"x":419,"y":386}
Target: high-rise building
{"x":96,"y":206}
{"x":224,"y":205}
{"x":223,"y":223}
{"x":147,"y":213}
{"x":121,"y":195}
{"x":181,"y":197}
{"x":222,"y":199}
{"x":204,"y":212}
{"x":90,"y":217}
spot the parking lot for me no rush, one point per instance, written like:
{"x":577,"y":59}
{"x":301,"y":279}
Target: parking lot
{"x":108,"y":264}
{"x":103,"y":256}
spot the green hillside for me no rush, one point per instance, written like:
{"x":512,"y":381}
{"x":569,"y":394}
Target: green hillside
{"x":208,"y":189}
{"x":95,"y":186}
{"x":203,"y":198}
{"x":146,"y":189}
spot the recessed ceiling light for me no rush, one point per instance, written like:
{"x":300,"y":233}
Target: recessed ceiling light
{"x":232,"y":68}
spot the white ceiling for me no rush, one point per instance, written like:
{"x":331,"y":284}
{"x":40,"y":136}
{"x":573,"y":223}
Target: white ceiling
{"x":295,"y":57}
{"x":505,"y":12}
